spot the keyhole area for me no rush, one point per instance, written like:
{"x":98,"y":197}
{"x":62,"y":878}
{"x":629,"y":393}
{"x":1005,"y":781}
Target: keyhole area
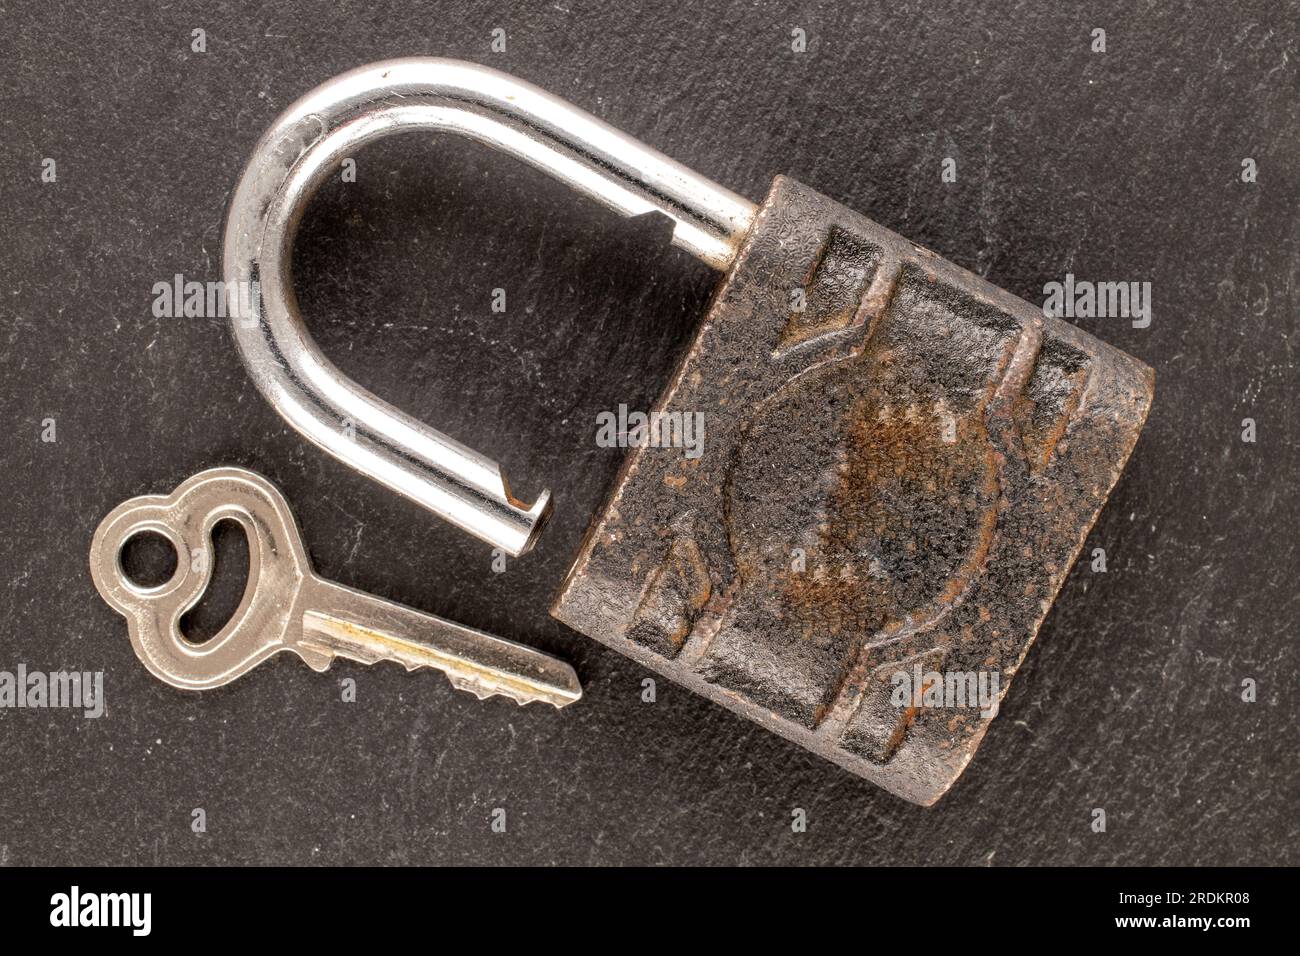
{"x":148,"y":559}
{"x":225,"y":590}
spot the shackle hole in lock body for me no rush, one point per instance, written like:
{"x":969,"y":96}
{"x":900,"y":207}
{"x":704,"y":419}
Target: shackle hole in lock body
{"x":304,"y":147}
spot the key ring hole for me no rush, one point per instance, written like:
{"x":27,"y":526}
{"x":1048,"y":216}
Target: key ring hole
{"x":148,"y":561}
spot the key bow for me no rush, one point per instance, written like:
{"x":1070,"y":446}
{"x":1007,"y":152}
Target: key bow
{"x":277,"y":565}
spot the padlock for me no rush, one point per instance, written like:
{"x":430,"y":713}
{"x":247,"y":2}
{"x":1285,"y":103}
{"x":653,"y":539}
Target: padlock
{"x":902,"y":461}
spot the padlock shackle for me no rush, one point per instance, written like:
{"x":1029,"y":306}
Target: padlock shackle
{"x":301,"y":150}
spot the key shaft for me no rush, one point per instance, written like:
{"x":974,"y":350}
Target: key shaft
{"x":339,"y":621}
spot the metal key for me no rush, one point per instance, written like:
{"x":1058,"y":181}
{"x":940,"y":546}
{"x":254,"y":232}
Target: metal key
{"x":286,"y":606}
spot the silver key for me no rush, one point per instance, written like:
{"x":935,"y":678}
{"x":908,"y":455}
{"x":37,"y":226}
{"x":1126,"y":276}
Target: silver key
{"x":286,"y":606}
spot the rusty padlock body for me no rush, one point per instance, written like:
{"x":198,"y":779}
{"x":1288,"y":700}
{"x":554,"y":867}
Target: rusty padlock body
{"x":897,"y":479}
{"x":898,"y":473}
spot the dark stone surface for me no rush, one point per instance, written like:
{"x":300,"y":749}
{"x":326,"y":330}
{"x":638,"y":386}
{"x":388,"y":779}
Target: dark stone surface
{"x":1117,"y":166}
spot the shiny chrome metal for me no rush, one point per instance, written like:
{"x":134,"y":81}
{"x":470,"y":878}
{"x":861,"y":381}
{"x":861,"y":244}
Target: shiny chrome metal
{"x":300,"y":151}
{"x":286,"y":606}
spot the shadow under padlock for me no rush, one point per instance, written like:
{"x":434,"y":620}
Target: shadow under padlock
{"x":901,"y":461}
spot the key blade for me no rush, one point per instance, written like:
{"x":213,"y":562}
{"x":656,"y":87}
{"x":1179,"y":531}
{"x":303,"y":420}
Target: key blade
{"x":343,"y":622}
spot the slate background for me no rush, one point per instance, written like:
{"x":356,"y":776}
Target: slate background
{"x":1117,"y":166}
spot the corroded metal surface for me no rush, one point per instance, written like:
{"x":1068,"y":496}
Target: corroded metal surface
{"x":901,"y":463}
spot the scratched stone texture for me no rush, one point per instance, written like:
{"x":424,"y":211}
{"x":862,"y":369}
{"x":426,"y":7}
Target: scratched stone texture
{"x":1117,"y":166}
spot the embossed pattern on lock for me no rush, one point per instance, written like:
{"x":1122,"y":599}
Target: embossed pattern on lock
{"x":901,"y":463}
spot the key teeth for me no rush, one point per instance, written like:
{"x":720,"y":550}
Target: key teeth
{"x":483,"y":693}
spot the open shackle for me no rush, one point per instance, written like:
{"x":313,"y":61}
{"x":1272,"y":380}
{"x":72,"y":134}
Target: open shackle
{"x":300,"y":151}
